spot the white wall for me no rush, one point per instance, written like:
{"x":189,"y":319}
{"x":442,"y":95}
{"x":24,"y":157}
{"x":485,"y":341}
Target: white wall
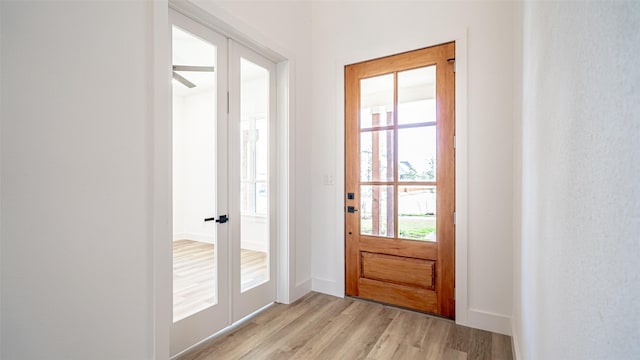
{"x":194,"y":169}
{"x":178,"y":166}
{"x":75,"y":169}
{"x":1,"y":115}
{"x":348,"y":32}
{"x":577,"y":288}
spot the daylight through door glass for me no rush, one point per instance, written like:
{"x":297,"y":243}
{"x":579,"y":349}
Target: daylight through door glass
{"x":254,"y":155}
{"x":398,"y":147}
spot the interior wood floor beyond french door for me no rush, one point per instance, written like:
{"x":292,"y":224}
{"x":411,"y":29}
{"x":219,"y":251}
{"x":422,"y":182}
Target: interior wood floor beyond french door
{"x":194,"y":267}
{"x":320,"y":326}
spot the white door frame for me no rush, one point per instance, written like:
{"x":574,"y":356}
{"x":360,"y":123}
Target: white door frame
{"x":160,"y":198}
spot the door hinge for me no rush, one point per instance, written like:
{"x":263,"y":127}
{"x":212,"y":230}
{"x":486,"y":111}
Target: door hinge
{"x":454,"y":294}
{"x":454,"y":141}
{"x":454,"y":218}
{"x":453,"y":60}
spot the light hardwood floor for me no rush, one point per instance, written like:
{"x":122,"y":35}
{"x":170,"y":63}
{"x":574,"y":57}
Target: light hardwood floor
{"x":320,"y":326}
{"x":194,"y":275}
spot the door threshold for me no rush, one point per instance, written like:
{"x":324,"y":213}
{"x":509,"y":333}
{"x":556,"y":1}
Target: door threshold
{"x":435,"y":316}
{"x":195,"y":347}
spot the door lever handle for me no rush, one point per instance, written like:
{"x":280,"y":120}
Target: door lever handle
{"x":222,"y":219}
{"x":351,"y":209}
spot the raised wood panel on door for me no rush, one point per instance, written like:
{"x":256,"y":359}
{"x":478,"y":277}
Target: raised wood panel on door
{"x":407,"y":273}
{"x":398,"y":270}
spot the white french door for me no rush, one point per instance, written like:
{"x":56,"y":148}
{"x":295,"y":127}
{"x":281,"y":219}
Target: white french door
{"x":252,"y":89}
{"x":223,"y":106}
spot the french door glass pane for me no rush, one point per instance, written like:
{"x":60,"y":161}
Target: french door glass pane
{"x":194,"y":176}
{"x":376,"y":210}
{"x":417,"y":154}
{"x":417,"y":95}
{"x":417,"y":212}
{"x":376,"y":101}
{"x":261,"y":149}
{"x":376,"y":155}
{"x":246,"y":152}
{"x":254,"y":197}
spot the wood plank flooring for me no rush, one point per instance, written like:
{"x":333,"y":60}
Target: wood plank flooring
{"x":320,"y":326}
{"x":194,"y":280}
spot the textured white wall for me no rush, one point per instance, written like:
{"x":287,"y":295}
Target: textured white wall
{"x":348,"y":32}
{"x":578,"y":285}
{"x":76,"y":263}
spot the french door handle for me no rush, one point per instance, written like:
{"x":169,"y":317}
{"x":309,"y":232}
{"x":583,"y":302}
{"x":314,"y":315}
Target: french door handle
{"x":222,"y":219}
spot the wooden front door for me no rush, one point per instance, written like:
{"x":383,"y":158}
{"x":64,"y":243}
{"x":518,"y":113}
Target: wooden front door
{"x":400,"y":180}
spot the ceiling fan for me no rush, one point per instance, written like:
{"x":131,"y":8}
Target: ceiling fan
{"x":181,"y":79}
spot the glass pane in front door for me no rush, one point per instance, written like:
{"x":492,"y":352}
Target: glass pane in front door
{"x":417,"y":154}
{"x":376,"y":155}
{"x":194,"y":174}
{"x":417,"y":213}
{"x":376,"y":101}
{"x":254,"y":174}
{"x":376,"y":210}
{"x":417,"y":95}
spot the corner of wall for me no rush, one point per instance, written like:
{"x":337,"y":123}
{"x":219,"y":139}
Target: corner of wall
{"x":489,"y":321}
{"x":1,"y":180}
{"x":299,"y":290}
{"x":515,"y":341}
{"x":327,"y":286}
{"x":517,"y":177}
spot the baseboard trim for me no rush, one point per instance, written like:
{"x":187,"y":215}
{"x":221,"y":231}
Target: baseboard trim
{"x":489,"y":321}
{"x":301,"y":289}
{"x":254,"y":246}
{"x":328,"y":287}
{"x":205,"y":238}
